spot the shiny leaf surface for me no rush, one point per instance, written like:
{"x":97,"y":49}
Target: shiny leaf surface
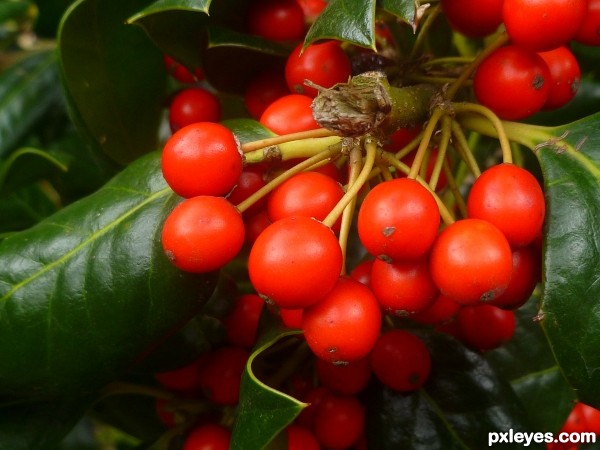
{"x":115,"y":99}
{"x":86,"y":292}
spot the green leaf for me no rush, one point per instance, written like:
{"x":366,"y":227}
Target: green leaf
{"x":176,"y":27}
{"x":528,"y":363}
{"x":38,"y":425}
{"x":346,"y":20}
{"x":405,"y":10}
{"x":463,"y":400}
{"x":179,"y":27}
{"x":88,"y":291}
{"x":25,"y":207}
{"x":248,"y":130}
{"x":28,"y":90}
{"x":116,"y":94}
{"x":570,"y":163}
{"x":263,"y":412}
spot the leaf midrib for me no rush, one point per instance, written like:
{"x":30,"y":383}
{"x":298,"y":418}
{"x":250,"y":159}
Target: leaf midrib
{"x":65,"y":257}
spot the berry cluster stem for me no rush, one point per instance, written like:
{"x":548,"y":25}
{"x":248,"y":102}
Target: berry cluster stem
{"x":353,"y":189}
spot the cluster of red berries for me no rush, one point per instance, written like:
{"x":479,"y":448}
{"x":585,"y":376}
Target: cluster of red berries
{"x":536,"y":70}
{"x":465,"y":278}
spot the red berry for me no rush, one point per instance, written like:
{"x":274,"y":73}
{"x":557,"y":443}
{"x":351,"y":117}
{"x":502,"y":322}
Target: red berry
{"x":324,"y":63}
{"x":401,"y":360}
{"x":209,"y":436}
{"x":473,"y":18}
{"x":191,"y":105}
{"x":242,"y":322}
{"x":339,"y":421}
{"x":485,"y":327}
{"x":513,"y":82}
{"x":295,"y":262}
{"x":348,"y":378}
{"x":565,"y":76}
{"x":180,"y":72}
{"x":588,"y":32}
{"x":289,"y":114}
{"x":250,"y":181}
{"x":309,"y":194}
{"x":512,"y":199}
{"x":398,"y":220}
{"x":526,"y":274}
{"x":543,"y":25}
{"x":442,"y":310}
{"x":203,"y":234}
{"x":202,"y":159}
{"x":471,"y":261}
{"x":301,"y":438}
{"x":344,"y":325}
{"x":277,"y":20}
{"x":403,"y":288}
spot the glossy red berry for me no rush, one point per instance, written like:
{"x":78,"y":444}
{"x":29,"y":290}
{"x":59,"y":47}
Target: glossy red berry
{"x":344,"y":325}
{"x":209,"y":436}
{"x":250,"y":181}
{"x":513,"y":82}
{"x":295,"y":262}
{"x":401,"y":360}
{"x":588,"y":32}
{"x":202,"y":159}
{"x":403,"y":288}
{"x":442,"y":310}
{"x":565,"y":76}
{"x":324,"y":63}
{"x":339,"y":421}
{"x":264,"y":89}
{"x":309,"y":194}
{"x":277,"y":20}
{"x":191,"y":105}
{"x":203,"y":234}
{"x":526,"y":274}
{"x":485,"y":327}
{"x":289,"y":114}
{"x":511,"y":198}
{"x":241,"y":323}
{"x":348,"y":378}
{"x":181,"y":73}
{"x":543,"y":25}
{"x":473,"y":18}
{"x":362,"y":272}
{"x":471,"y":261}
{"x":301,"y":438}
{"x":398,"y":220}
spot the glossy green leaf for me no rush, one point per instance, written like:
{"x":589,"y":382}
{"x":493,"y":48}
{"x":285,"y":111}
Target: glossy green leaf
{"x":86,"y":293}
{"x":528,"y":363}
{"x":248,"y":130}
{"x":263,"y":412}
{"x":346,"y":20}
{"x":38,"y":425}
{"x":463,"y":400}
{"x":178,"y":27}
{"x":25,"y":207}
{"x":403,"y":9}
{"x":28,"y":90}
{"x":114,"y":78}
{"x":570,"y":162}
